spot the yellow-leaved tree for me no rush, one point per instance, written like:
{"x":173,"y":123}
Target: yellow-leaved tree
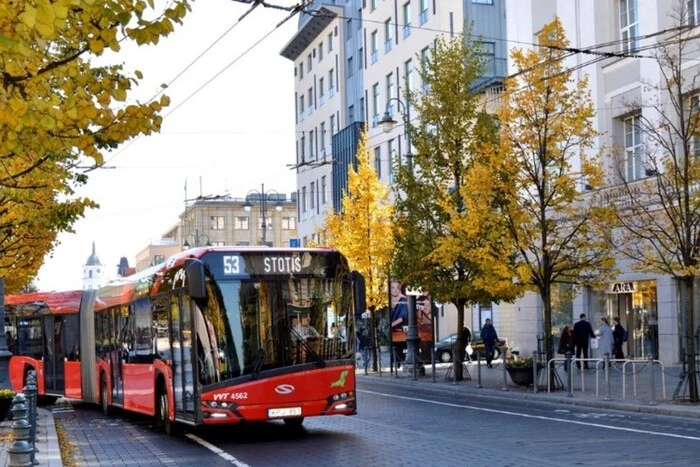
{"x":545,"y":164}
{"x":58,"y":109}
{"x":362,"y":232}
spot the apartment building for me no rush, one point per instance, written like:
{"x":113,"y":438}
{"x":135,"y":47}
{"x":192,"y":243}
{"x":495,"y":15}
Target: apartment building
{"x":326,"y":51}
{"x":622,"y":88}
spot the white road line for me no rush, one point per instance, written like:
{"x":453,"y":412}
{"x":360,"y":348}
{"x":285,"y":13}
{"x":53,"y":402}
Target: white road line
{"x":538,"y":417}
{"x":217,"y":451}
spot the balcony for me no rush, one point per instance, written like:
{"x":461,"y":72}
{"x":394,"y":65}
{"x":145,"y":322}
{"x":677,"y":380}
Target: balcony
{"x":387,"y":46}
{"x":331,"y":92}
{"x":375,"y":56}
{"x":406,"y":30}
{"x":321,"y":99}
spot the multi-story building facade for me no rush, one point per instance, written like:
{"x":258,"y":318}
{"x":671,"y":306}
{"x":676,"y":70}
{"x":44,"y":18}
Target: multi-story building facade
{"x":327,"y":53}
{"x":223,"y":220}
{"x":622,"y":89}
{"x":158,"y":252}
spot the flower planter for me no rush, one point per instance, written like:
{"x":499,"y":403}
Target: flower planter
{"x":521,"y":376}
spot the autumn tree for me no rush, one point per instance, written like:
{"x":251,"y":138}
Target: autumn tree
{"x":438,"y":249}
{"x":660,"y":215}
{"x":59,"y":109}
{"x":362,"y":231}
{"x":544,"y":164}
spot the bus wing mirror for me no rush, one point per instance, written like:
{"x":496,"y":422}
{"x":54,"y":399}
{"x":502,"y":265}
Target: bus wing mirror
{"x":196,"y":281}
{"x":358,"y":282}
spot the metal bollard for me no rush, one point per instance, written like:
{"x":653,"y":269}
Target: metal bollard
{"x":652,"y":387}
{"x":478,"y":369}
{"x":20,"y":450}
{"x":31,"y":393}
{"x":606,"y":363}
{"x":535,"y":385}
{"x":569,"y":375}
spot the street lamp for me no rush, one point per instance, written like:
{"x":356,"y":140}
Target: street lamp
{"x":248,"y":206}
{"x":388,"y":123}
{"x":196,"y":238}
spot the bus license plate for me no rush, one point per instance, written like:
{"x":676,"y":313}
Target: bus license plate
{"x":284,"y":412}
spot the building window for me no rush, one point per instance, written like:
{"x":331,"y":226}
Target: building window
{"x":424,"y":57}
{"x":694,"y":124}
{"x":406,"y":19}
{"x":301,"y":71}
{"x":390,"y":92}
{"x":333,"y":128}
{"x":351,"y":113}
{"x":303,"y":148}
{"x":633,"y":149}
{"x":374,"y":41}
{"x":351,"y":67}
{"x":423,"y":17}
{"x":311,"y":145}
{"x":321,"y":91}
{"x":289,"y":223}
{"x":301,"y":107}
{"x":320,"y":51}
{"x":217,"y":222}
{"x":375,"y":105}
{"x":330,"y":42}
{"x":391,"y":152}
{"x":331,"y":82}
{"x":312,"y":197}
{"x":378,"y":161}
{"x":487,"y":51}
{"x":408,"y":74}
{"x":240,"y":223}
{"x":310,"y":93}
{"x":324,"y":198}
{"x":348,"y":29}
{"x":388,"y":35}
{"x":628,"y":25}
{"x":309,"y":63}
{"x":323,"y":137}
{"x":483,"y":2}
{"x":268,"y":222}
{"x":373,"y":5}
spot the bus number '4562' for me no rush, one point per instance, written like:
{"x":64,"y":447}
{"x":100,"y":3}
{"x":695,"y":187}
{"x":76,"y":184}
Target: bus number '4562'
{"x":232,"y":264}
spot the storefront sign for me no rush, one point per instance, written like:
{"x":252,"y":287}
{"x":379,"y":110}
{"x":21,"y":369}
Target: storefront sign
{"x":622,"y":287}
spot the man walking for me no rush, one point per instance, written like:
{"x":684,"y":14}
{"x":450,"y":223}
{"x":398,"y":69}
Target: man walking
{"x":583,"y":331}
{"x":490,"y":338}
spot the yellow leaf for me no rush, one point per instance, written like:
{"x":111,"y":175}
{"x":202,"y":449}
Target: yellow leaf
{"x":96,"y":46}
{"x":29,"y":17}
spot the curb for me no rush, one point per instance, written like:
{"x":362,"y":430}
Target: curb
{"x":661,"y":408}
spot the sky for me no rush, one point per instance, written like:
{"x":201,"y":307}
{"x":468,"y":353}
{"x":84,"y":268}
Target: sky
{"x":234,"y":134}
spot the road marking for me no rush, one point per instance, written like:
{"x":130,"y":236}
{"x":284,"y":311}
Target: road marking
{"x":537,"y":417}
{"x":219,"y":452}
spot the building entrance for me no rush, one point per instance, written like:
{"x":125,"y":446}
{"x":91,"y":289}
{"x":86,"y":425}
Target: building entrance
{"x":635,"y":304}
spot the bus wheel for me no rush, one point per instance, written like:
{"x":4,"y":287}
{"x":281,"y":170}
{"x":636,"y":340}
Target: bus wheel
{"x":163,"y":414}
{"x":103,"y":398}
{"x":295,"y":422}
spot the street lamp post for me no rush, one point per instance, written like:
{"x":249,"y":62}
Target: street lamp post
{"x":387,"y":122}
{"x":248,"y":206}
{"x":196,"y":237}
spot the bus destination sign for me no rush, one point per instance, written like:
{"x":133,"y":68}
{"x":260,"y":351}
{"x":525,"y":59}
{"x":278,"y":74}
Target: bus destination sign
{"x":234,"y":265}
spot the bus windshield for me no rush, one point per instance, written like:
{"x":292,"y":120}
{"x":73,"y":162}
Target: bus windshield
{"x":251,"y":326}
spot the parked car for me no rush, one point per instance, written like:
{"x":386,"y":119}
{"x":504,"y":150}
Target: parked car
{"x":444,"y":348}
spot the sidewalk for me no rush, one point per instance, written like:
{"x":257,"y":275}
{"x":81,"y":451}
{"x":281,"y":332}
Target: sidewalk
{"x":629,"y":391}
{"x":48,"y":454}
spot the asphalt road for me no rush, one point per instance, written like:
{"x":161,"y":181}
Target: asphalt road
{"x":396,"y":427}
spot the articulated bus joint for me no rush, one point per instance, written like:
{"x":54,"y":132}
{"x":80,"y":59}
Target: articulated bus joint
{"x":340,"y":402}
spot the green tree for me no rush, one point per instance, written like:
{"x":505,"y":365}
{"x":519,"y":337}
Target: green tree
{"x":660,"y":209}
{"x":436,"y":249}
{"x":561,"y":235}
{"x":59,"y":109}
{"x":362,"y":231}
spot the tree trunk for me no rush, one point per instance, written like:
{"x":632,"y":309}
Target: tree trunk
{"x":690,"y":339}
{"x":546,"y":295}
{"x":375,"y":339}
{"x":458,"y":356}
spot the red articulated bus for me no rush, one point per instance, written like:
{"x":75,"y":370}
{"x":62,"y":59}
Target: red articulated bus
{"x":214,"y":335}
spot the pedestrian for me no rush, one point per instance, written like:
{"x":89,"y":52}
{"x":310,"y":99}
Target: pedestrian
{"x":566,"y":343}
{"x":490,"y":339}
{"x":365,"y":348}
{"x":605,"y":336}
{"x":583,"y":331}
{"x":618,"y":338}
{"x":466,"y":339}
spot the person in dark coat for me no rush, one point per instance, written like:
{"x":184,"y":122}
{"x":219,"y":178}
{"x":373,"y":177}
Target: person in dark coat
{"x":583,"y":332}
{"x":618,"y":338}
{"x":490,"y":339}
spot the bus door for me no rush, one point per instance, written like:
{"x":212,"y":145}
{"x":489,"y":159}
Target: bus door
{"x":54,"y":372}
{"x":183,"y":362}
